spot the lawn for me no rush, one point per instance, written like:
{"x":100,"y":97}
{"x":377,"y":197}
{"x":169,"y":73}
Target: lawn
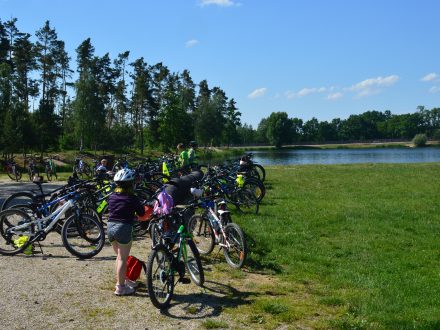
{"x":350,"y":246}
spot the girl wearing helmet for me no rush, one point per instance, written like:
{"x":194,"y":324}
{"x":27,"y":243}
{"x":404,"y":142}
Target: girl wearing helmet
{"x":122,"y":206}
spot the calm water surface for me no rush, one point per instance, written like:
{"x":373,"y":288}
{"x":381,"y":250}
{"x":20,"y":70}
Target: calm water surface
{"x":347,"y":156}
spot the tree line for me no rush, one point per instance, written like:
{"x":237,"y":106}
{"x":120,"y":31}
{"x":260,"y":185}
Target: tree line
{"x":112,"y":104}
{"x":120,"y":103}
{"x":278,"y":129}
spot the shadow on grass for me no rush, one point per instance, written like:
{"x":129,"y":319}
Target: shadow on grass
{"x":209,"y":303}
{"x":256,"y":260}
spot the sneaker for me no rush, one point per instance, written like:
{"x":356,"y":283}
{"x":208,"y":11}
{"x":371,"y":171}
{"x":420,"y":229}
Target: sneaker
{"x":124,"y":290}
{"x":130,"y":283}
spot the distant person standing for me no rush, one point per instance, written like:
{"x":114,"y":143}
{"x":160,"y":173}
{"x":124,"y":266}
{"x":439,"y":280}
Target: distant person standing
{"x":183,"y":155}
{"x":192,"y":157}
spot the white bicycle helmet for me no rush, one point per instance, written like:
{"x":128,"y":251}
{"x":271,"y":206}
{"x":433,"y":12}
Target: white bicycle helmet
{"x":124,"y":175}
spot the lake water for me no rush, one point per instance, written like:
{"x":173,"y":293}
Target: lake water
{"x":347,"y":156}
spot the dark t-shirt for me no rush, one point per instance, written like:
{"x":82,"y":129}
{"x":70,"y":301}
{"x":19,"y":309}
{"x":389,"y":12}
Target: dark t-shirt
{"x":122,"y":208}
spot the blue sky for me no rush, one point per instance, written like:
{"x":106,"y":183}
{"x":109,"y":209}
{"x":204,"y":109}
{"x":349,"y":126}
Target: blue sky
{"x":309,"y":58}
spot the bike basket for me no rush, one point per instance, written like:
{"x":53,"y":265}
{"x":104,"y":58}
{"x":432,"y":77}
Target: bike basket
{"x":134,"y":268}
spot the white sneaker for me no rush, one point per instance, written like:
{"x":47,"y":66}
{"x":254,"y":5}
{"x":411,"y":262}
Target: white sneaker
{"x":130,"y":283}
{"x":124,"y":290}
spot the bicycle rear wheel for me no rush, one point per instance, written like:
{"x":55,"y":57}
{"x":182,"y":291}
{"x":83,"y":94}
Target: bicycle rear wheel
{"x":202,"y":233}
{"x":256,"y":187}
{"x":246,"y":202}
{"x":194,"y":264}
{"x":160,"y":277}
{"x":16,"y":230}
{"x":83,"y":236}
{"x":236,"y":253}
{"x":17,"y":198}
{"x":49,"y":174}
{"x":260,"y":170}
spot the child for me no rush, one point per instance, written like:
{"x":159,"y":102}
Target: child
{"x":122,"y":206}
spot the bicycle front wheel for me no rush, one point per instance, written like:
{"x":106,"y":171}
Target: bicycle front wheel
{"x":194,"y":264}
{"x":16,"y":230}
{"x":160,"y":277}
{"x":202,"y":233}
{"x":236,"y":251}
{"x":83,"y":236}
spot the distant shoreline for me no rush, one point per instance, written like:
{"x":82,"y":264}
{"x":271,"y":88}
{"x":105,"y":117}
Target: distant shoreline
{"x":351,"y":145}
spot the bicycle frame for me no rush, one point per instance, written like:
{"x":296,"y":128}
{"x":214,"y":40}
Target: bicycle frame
{"x":54,"y":217}
{"x":220,"y":232}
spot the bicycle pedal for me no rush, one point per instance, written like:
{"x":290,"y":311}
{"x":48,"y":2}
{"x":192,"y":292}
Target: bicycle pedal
{"x":184,"y":280}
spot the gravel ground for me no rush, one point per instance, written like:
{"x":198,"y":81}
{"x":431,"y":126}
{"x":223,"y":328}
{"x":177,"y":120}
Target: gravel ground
{"x":53,"y":290}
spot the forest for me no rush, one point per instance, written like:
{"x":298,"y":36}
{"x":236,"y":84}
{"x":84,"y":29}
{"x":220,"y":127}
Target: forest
{"x":121,"y":103}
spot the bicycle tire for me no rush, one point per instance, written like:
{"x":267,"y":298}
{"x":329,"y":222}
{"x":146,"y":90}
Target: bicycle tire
{"x":256,"y":187}
{"x":11,"y":174}
{"x":18,"y":174}
{"x":49,"y":175}
{"x":236,"y":254}
{"x":160,"y":277}
{"x":9,"y":219}
{"x":8,"y":202}
{"x":14,"y":173}
{"x":89,"y":235}
{"x":87,"y":171}
{"x":194,"y":264}
{"x":260,"y":170}
{"x":203,"y":235}
{"x":155,"y":233}
{"x":246,"y":201}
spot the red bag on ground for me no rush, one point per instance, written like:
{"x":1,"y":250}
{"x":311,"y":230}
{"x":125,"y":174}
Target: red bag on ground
{"x":134,"y":268}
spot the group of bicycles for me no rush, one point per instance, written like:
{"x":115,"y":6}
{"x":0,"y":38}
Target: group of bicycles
{"x":33,"y":166}
{"x":77,"y":211}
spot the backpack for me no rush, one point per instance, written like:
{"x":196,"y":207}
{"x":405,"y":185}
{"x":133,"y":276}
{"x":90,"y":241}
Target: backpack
{"x":134,"y":268}
{"x":163,"y":204}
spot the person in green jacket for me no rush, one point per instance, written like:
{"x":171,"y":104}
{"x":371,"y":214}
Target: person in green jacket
{"x":192,"y":158}
{"x":183,"y":155}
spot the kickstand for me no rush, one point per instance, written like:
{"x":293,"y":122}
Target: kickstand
{"x":218,"y":252}
{"x":41,"y":249}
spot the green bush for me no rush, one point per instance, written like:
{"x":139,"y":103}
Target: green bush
{"x":419,"y":140}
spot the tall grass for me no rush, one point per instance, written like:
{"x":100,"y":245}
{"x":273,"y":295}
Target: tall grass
{"x":366,"y":235}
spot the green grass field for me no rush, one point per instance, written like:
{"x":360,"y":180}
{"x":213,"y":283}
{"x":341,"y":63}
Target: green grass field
{"x":352,"y":246}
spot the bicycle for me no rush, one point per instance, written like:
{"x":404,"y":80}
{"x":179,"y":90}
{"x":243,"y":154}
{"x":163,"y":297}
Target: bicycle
{"x":50,"y":169}
{"x":215,"y":227}
{"x":82,"y":168}
{"x":82,"y":235}
{"x":241,"y":197}
{"x":32,"y":169}
{"x":12,"y":169}
{"x":169,"y":258}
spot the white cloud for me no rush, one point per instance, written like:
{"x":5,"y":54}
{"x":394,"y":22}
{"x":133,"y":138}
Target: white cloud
{"x":434,"y":89}
{"x":257,"y":93}
{"x":430,"y":77}
{"x":221,"y":3}
{"x":334,"y":96}
{"x":372,"y":85}
{"x":304,"y":92}
{"x":191,"y":43}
